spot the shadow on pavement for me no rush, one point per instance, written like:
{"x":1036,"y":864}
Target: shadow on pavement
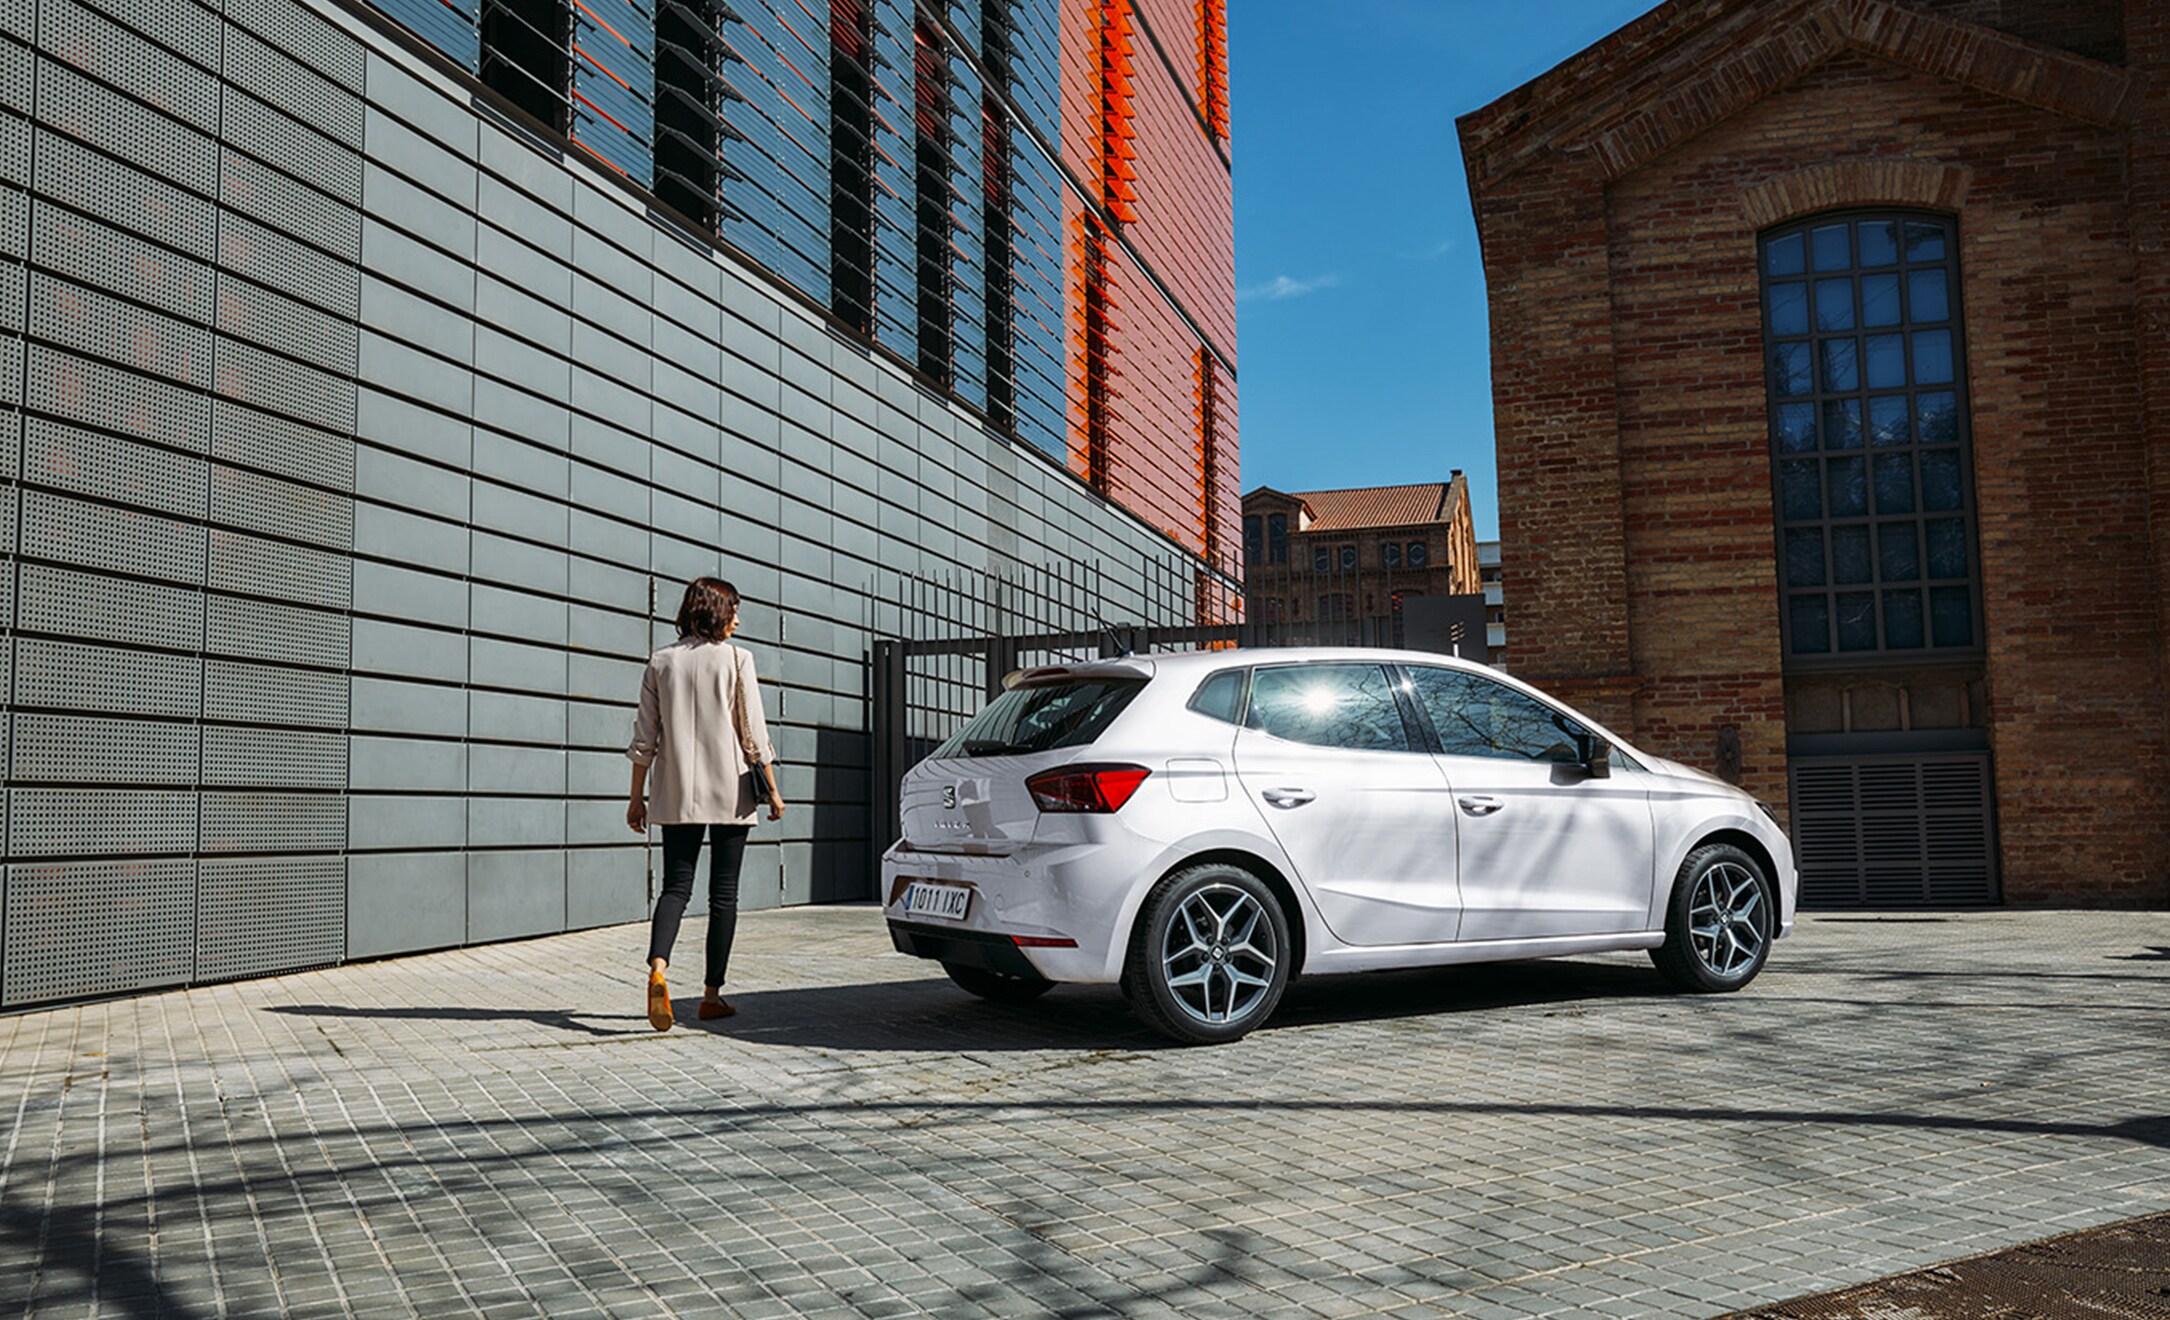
{"x":561,"y":1019}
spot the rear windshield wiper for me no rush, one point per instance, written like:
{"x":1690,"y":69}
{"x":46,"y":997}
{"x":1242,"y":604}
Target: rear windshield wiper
{"x":989,"y":746}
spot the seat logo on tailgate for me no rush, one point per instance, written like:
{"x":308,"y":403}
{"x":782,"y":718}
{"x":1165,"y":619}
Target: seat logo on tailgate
{"x":949,"y":797}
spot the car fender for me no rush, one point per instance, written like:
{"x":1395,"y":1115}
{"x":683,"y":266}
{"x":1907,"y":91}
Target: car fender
{"x":1674,"y":842}
{"x":1173,"y":858}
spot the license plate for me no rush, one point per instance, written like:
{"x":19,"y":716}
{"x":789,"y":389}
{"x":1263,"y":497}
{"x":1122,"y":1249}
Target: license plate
{"x":943,"y":902}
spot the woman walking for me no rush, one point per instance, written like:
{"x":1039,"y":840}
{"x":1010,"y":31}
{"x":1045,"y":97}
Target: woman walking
{"x":701,"y":764}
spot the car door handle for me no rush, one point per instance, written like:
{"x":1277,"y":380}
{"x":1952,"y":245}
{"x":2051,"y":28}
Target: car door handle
{"x":1480,"y":806}
{"x":1287,"y":797}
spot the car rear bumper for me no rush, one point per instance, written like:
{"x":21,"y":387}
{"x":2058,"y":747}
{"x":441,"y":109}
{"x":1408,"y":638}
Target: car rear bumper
{"x":969,"y":948}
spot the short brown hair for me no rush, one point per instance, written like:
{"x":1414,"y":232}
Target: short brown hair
{"x":708,"y":608}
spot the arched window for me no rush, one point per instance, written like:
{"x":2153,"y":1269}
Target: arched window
{"x":1872,"y":483}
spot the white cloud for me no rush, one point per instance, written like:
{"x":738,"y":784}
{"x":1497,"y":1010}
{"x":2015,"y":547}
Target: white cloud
{"x":1282,"y":286}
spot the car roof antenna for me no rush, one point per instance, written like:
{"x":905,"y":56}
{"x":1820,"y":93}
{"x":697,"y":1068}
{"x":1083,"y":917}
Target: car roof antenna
{"x":1115,"y":642}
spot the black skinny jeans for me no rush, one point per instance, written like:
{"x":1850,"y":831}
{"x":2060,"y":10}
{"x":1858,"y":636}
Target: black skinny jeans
{"x":681,"y":849}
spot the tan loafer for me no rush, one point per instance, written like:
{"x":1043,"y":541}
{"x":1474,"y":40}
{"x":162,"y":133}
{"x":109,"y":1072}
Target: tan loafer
{"x":659,"y":1002}
{"x":711,"y":1009}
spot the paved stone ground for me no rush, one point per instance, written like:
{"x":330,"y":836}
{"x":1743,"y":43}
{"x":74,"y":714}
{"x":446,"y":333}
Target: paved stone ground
{"x":496,"y":1130}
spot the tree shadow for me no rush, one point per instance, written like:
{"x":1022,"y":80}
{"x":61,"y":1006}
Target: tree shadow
{"x":560,"y":1019}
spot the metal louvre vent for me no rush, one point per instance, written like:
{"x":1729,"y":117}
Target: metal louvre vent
{"x":261,"y":915}
{"x":84,"y":928}
{"x":1894,"y":831}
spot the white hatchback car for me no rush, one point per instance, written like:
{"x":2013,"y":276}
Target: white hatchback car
{"x":1201,"y":827}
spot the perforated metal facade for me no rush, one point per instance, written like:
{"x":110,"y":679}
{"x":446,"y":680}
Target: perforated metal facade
{"x":353,"y":443}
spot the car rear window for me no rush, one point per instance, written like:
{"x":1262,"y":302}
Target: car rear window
{"x":1043,"y":716}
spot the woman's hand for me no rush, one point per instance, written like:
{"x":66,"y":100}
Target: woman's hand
{"x":776,"y":806}
{"x":636,"y":815}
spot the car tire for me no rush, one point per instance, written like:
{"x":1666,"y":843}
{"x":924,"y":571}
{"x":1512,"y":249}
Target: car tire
{"x":997,"y":987}
{"x":1209,"y":955}
{"x":1720,"y":921}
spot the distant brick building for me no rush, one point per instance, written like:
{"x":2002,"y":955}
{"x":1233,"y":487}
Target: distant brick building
{"x":1831,"y":366}
{"x":1340,"y":556}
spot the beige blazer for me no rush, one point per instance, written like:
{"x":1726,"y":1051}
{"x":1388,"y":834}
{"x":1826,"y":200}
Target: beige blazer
{"x":686,"y":733}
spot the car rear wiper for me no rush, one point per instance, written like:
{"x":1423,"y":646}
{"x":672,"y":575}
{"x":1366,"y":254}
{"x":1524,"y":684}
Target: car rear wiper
{"x":989,"y":746}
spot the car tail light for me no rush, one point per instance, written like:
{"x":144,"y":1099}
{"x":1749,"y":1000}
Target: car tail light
{"x":1043,"y":942}
{"x":1091,"y":788}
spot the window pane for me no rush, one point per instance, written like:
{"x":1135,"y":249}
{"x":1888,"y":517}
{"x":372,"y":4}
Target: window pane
{"x":1898,"y":552}
{"x":1894,"y":484}
{"x":1833,"y":252}
{"x":1842,"y":424}
{"x":1879,"y":300}
{"x":1834,"y":304}
{"x":1390,"y":554}
{"x":1887,"y":363}
{"x":1478,"y":717}
{"x":1840,"y":370}
{"x":1809,"y":624}
{"x":1932,"y":357}
{"x":1940,"y":479}
{"x":1328,"y":706}
{"x":1784,"y":256}
{"x":1902,"y":620}
{"x":1850,"y":554}
{"x":1789,"y":309}
{"x":1796,"y":427}
{"x":1936,"y":417}
{"x":1849,"y":492}
{"x":1798,"y":492}
{"x":1927,"y":299}
{"x":1804,"y":557}
{"x":1348,"y":556}
{"x":1220,"y":697}
{"x":1322,"y":560}
{"x":1947,"y":547}
{"x":1856,"y":611}
{"x":1951,"y":616}
{"x":1879,"y":246}
{"x":1887,"y":420}
{"x":1924,"y":242}
{"x":1789,"y":369}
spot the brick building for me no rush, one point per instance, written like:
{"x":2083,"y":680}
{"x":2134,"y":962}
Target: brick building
{"x":1831,"y":363}
{"x":1356,"y":555}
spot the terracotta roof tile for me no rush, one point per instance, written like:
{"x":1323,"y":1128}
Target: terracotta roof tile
{"x":1374,"y":506}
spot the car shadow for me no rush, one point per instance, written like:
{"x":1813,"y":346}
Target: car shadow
{"x":932,"y":1014}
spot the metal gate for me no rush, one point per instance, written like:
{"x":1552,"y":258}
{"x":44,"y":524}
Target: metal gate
{"x":1894,"y":831}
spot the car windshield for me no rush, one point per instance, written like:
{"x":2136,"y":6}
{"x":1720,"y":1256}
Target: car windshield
{"x":1043,"y":716}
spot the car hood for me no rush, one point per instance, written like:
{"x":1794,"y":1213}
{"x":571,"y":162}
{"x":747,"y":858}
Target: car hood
{"x":1673,"y":769}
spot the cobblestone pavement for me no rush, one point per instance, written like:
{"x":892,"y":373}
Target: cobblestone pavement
{"x":496,"y":1130}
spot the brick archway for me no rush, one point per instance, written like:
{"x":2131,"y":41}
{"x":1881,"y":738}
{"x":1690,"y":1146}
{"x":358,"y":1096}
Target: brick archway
{"x":1883,"y":181}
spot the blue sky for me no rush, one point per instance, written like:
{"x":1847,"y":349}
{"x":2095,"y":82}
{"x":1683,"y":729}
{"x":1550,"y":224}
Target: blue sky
{"x":1363,"y":356}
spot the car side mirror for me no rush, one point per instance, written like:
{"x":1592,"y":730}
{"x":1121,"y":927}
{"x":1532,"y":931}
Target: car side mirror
{"x":1597,"y":760}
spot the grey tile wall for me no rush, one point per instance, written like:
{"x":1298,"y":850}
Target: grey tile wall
{"x":353,"y":452}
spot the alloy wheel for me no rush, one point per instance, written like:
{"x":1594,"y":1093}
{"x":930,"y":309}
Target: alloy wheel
{"x":1728,"y":919}
{"x":1219,"y":956}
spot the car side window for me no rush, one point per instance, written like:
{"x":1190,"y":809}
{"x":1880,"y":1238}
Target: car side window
{"x":1220,"y":696}
{"x":1348,"y":706}
{"x":1475,"y":716}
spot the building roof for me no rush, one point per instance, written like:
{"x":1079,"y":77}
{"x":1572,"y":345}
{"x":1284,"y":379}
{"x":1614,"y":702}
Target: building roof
{"x":1375,"y":506}
{"x":1616,"y":104}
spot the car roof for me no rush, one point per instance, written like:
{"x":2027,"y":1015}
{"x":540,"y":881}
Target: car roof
{"x":1180,"y":664}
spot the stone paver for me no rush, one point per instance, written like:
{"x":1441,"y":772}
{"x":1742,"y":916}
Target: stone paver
{"x":496,"y":1131}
